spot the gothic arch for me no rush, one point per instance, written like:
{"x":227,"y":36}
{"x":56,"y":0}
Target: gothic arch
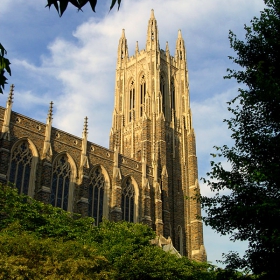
{"x":131,"y":81}
{"x":64,"y":174}
{"x":104,"y":179}
{"x":141,"y":77}
{"x":23,"y":166}
{"x":126,"y":184}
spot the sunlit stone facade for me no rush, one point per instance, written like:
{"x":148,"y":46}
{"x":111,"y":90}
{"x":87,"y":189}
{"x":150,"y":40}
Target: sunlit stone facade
{"x":150,"y":169}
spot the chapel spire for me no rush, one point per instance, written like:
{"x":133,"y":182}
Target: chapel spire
{"x":122,"y":49}
{"x":180,"y":54}
{"x":152,"y":42}
{"x":5,"y":134}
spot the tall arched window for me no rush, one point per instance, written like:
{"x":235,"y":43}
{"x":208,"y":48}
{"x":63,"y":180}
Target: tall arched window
{"x":131,"y":101}
{"x":20,"y":168}
{"x":162,"y":90}
{"x":60,"y":183}
{"x":96,"y":195}
{"x":142,"y":95}
{"x":172,"y":94}
{"x":128,"y":195}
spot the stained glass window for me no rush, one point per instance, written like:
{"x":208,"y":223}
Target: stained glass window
{"x":60,"y":183}
{"x":128,"y":196}
{"x":21,"y":167}
{"x":96,"y":195}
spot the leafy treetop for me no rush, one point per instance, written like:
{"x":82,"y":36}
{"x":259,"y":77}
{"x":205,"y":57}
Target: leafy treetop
{"x":250,"y":207}
{"x":61,"y":5}
{"x":4,"y":66}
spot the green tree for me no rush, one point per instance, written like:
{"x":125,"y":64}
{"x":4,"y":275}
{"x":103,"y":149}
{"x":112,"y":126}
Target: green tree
{"x":42,"y":219}
{"x":61,"y":5}
{"x":39,"y":241}
{"x":4,"y":67}
{"x":24,"y":255}
{"x":246,"y":203}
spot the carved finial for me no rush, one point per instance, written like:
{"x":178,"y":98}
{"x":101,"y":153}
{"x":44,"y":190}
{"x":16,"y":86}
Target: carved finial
{"x":179,"y":33}
{"x":11,"y":95}
{"x":50,"y":113}
{"x":166,"y":47}
{"x":152,"y":14}
{"x":84,"y":157}
{"x":47,"y":149}
{"x":85,"y":131}
{"x":136,"y":48}
{"x":123,"y":34}
{"x":5,"y":134}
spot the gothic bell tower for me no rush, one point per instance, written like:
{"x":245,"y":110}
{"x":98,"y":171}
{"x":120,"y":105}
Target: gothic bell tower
{"x":152,"y":123}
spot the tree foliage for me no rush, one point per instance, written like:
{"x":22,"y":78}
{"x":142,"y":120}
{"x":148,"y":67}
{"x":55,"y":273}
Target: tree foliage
{"x":25,"y":256}
{"x":246,"y":203}
{"x":38,"y":241}
{"x":61,"y":5}
{"x":4,"y":67}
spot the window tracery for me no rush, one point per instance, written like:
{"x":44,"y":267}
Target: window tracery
{"x":96,"y":195}
{"x":128,"y":197}
{"x":20,"y":169}
{"x":60,"y":183}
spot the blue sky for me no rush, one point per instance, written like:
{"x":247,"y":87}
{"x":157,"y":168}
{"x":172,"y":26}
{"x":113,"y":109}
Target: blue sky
{"x":71,"y":61}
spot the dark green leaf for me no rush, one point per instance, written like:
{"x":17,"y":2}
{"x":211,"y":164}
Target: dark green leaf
{"x":93,"y":4}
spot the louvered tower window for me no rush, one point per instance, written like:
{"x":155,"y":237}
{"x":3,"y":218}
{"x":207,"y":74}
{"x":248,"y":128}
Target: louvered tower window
{"x":142,"y":95}
{"x":96,"y":195}
{"x":21,"y":167}
{"x":60,"y":183}
{"x":128,"y":196}
{"x":172,"y":95}
{"x":162,"y":90}
{"x":131,"y":101}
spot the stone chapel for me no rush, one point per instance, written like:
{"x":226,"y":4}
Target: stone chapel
{"x":149,"y":173}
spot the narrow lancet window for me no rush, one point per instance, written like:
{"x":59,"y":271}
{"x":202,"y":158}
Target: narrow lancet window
{"x":131,"y":101}
{"x":162,"y":90}
{"x":21,"y":167}
{"x":172,"y":95}
{"x":128,"y":195}
{"x":96,"y":195}
{"x":60,"y":183}
{"x":142,"y":95}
